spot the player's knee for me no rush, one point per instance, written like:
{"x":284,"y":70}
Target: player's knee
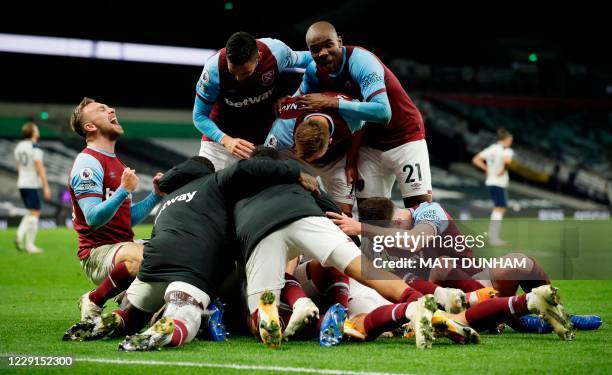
{"x":131,"y":254}
{"x":133,"y":266}
{"x":185,"y":308}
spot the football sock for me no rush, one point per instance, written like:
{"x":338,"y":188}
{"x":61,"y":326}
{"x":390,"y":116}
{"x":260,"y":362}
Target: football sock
{"x":490,"y":313}
{"x":292,"y":291}
{"x":385,"y":318}
{"x":118,"y":280}
{"x":537,"y":277}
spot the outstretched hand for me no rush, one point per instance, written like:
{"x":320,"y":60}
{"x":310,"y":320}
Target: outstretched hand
{"x":348,"y":225}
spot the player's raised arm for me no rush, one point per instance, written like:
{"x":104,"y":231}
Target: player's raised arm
{"x":141,"y":209}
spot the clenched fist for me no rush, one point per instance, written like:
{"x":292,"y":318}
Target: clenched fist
{"x":129,"y":180}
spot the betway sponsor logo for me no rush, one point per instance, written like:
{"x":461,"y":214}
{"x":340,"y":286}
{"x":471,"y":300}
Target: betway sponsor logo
{"x":187,"y":197}
{"x":289,"y":107}
{"x":250,"y":100}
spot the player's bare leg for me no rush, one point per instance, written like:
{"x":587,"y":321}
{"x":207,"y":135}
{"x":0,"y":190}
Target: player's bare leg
{"x":414,"y":201}
{"x":126,"y":265}
{"x":419,"y":308}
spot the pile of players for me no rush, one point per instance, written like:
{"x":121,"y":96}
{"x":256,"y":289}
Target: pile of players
{"x":258,"y":214}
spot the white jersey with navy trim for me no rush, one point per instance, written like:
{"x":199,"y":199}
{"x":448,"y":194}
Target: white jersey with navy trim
{"x":26,"y":153}
{"x":495,"y":156}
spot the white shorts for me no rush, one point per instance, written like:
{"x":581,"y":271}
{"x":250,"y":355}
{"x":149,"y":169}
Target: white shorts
{"x":100,"y":262}
{"x":149,"y":296}
{"x":315,"y":236}
{"x":363,"y":299}
{"x":217,"y":154}
{"x":332,"y":176}
{"x":408,"y":164}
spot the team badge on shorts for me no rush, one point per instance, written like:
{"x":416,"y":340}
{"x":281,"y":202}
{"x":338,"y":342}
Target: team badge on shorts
{"x":415,"y":186}
{"x":267,"y":78}
{"x":86,"y":174}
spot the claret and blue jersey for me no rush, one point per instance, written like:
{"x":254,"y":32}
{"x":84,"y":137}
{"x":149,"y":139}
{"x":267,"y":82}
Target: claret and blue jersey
{"x":392,"y":118}
{"x":243,"y":109}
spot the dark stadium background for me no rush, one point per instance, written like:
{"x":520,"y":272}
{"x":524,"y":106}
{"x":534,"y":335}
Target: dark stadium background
{"x":534,"y":63}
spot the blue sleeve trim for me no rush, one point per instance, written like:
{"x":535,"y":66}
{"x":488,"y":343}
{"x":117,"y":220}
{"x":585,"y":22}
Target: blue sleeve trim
{"x":97,"y":212}
{"x":143,"y":208}
{"x":206,"y":126}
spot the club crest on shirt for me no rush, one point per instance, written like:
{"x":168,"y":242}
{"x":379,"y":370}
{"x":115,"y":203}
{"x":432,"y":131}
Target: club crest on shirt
{"x":272,"y":142}
{"x":268,"y":78}
{"x":204,"y":79}
{"x":86,"y":174}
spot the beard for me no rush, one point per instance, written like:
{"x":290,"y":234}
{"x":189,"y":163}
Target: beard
{"x":110,"y":132}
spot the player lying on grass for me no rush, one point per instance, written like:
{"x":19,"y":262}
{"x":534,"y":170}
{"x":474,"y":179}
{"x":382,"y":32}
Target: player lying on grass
{"x":185,"y":276}
{"x":284,"y":221}
{"x":101,"y":189}
{"x":504,"y":280}
{"x":370,"y":314}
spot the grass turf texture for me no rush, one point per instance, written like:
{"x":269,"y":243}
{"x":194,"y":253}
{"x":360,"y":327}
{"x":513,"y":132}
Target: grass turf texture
{"x":38,"y":296}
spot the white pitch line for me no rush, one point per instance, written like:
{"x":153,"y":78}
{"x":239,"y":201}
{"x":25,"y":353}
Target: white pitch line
{"x":228,"y":366}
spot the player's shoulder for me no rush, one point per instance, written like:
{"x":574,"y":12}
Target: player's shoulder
{"x":365,"y":65}
{"x":279,"y":50}
{"x":23,"y":144}
{"x":86,"y":164}
{"x":212,"y":63}
{"x":361,"y":55}
{"x":276,"y":46}
{"x":272,"y":42}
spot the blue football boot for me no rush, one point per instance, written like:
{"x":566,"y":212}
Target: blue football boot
{"x":216,"y":328}
{"x":332,"y":326}
{"x":533,"y":323}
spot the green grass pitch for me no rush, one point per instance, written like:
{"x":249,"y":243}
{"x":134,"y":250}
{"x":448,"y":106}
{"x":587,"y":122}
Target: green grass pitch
{"x":38,"y":296}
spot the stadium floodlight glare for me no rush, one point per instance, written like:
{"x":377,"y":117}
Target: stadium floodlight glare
{"x":94,"y":49}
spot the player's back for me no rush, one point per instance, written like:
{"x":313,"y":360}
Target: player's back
{"x":26,"y":153}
